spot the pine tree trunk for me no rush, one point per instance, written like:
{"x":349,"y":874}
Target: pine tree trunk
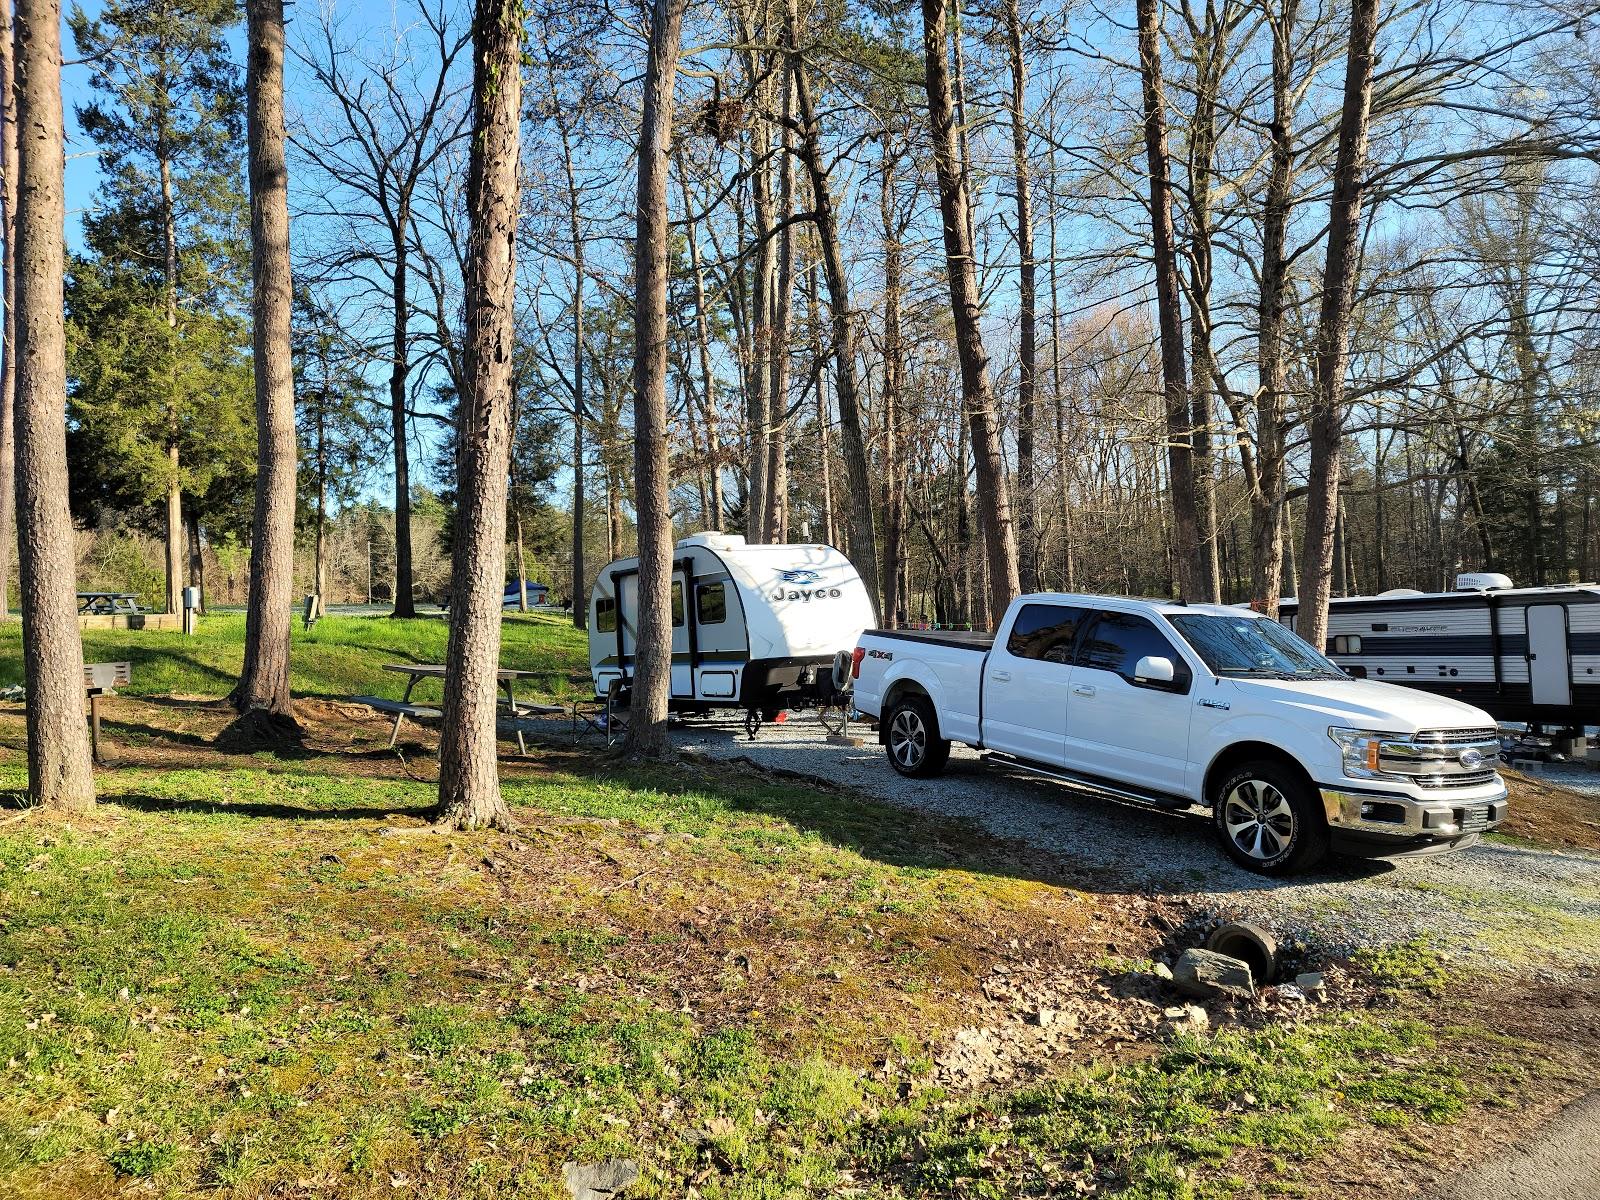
{"x":1027,"y":287}
{"x":863,"y":538}
{"x":174,"y":512}
{"x":197,"y":558}
{"x":59,"y":772}
{"x":993,"y":500}
{"x":1333,"y":326}
{"x":8,"y":336}
{"x":264,"y":683}
{"x":469,"y":776}
{"x":1187,"y":551}
{"x":652,"y":685}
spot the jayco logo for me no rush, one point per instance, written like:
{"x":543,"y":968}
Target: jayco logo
{"x":802,"y":587}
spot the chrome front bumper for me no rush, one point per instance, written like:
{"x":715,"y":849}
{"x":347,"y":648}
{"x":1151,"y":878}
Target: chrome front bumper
{"x":1394,"y":814}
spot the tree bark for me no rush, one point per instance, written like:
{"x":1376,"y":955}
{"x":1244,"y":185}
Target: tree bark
{"x":993,"y":502}
{"x":1333,"y":326}
{"x":399,"y":368}
{"x":580,"y":575}
{"x":1267,"y":519}
{"x":894,"y":600}
{"x":647,"y":716}
{"x":1027,"y":288}
{"x":264,"y":683}
{"x":758,"y":406}
{"x":776,"y":524}
{"x":59,"y":772}
{"x":469,"y":776}
{"x":8,"y":334}
{"x":863,"y":538}
{"x":1187,"y":551}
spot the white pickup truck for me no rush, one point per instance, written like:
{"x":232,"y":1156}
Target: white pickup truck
{"x":1176,"y":705}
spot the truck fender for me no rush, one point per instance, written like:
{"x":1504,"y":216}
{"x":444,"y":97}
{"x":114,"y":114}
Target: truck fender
{"x":907,"y":674}
{"x":1244,"y":736}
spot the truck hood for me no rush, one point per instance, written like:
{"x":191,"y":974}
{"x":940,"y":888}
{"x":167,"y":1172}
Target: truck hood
{"x":1366,"y":704}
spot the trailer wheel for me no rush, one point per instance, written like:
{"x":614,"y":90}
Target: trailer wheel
{"x":1269,"y":819}
{"x":912,"y":739}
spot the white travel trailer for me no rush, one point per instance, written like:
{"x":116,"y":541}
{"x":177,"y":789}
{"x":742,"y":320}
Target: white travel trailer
{"x":1521,"y":654}
{"x":753,"y":627}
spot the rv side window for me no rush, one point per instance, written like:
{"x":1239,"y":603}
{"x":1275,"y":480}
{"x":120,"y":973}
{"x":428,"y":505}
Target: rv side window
{"x":605,"y":615}
{"x":677,"y":604}
{"x":710,"y":604}
{"x":1344,"y":644}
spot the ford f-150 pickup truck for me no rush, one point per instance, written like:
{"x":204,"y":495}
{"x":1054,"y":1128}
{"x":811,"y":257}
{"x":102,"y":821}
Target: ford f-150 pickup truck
{"x":1180,"y":704}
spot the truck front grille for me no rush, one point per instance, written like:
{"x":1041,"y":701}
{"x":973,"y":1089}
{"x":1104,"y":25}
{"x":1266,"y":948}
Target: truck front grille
{"x":1463,"y":780}
{"x":1457,"y":737}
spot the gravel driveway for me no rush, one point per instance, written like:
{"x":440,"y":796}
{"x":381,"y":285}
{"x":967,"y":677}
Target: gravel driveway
{"x":1502,"y":903}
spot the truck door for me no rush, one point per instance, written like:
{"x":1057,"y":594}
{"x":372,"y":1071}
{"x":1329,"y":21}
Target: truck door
{"x":1549,"y":667}
{"x":1121,"y":729}
{"x":1025,"y":683}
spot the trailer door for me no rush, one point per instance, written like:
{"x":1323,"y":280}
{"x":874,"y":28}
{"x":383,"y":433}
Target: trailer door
{"x":682,"y":669}
{"x":1549,"y":667}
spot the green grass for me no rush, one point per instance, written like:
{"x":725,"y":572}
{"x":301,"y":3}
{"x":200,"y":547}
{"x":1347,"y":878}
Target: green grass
{"x":230,"y":981}
{"x":339,"y":656}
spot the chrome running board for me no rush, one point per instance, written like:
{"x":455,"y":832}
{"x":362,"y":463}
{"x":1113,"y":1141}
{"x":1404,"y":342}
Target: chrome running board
{"x":1088,"y":784}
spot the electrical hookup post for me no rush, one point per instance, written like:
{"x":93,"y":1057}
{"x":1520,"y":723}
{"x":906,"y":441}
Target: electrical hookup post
{"x":191,"y":610}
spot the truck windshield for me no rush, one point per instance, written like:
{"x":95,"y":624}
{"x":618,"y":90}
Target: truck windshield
{"x":1252,"y":646}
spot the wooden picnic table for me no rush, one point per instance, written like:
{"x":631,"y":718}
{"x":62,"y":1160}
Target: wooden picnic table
{"x":126,"y":603}
{"x":508,"y":678}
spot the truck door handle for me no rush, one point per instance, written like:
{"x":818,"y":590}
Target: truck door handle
{"x":1082,"y":689}
{"x":1000,"y":676}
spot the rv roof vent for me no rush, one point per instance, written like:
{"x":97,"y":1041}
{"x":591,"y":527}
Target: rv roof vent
{"x":1399,"y":593}
{"x":1481,"y":581}
{"x":713,"y":540}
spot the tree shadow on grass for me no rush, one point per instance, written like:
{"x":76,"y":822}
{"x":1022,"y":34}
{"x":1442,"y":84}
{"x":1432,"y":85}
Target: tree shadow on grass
{"x":266,"y":810}
{"x":1110,"y":847}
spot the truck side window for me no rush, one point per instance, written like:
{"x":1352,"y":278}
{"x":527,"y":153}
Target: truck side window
{"x":1045,"y":632}
{"x":1118,"y":641}
{"x":605,"y":615}
{"x":677,"y":604}
{"x":711,"y":604}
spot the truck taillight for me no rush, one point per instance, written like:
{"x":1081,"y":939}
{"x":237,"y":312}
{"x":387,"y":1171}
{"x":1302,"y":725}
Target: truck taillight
{"x":855,"y":662}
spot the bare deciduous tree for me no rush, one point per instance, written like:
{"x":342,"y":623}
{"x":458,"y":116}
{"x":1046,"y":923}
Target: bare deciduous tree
{"x":1333,"y":325}
{"x":993,"y":499}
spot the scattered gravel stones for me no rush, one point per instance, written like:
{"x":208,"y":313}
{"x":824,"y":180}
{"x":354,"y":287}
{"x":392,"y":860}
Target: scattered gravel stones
{"x":1459,"y":901}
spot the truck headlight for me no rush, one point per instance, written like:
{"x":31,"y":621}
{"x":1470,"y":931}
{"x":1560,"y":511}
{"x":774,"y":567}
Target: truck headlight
{"x":1361,"y":750}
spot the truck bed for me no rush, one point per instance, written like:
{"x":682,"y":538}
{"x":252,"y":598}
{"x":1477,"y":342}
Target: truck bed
{"x":961,"y":640}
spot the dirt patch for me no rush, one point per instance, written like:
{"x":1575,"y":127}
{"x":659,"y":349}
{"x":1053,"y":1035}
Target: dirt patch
{"x":1550,"y":815}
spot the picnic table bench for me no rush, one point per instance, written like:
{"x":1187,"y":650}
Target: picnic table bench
{"x":417,"y":672}
{"x":112,"y":603}
{"x":400,"y":709}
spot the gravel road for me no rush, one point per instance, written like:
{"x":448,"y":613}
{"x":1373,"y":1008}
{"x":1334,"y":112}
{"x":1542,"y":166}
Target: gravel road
{"x":1502,"y":903}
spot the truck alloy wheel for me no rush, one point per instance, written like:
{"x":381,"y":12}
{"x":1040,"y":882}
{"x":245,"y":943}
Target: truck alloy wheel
{"x":1258,"y":819}
{"x":912,"y":738}
{"x":908,"y":739}
{"x":1268,"y":818}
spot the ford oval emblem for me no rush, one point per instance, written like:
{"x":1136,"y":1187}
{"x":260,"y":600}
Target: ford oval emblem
{"x":799,"y":576}
{"x":1470,"y":759}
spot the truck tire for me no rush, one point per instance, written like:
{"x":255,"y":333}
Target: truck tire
{"x":911,"y":738}
{"x":1269,"y":818}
